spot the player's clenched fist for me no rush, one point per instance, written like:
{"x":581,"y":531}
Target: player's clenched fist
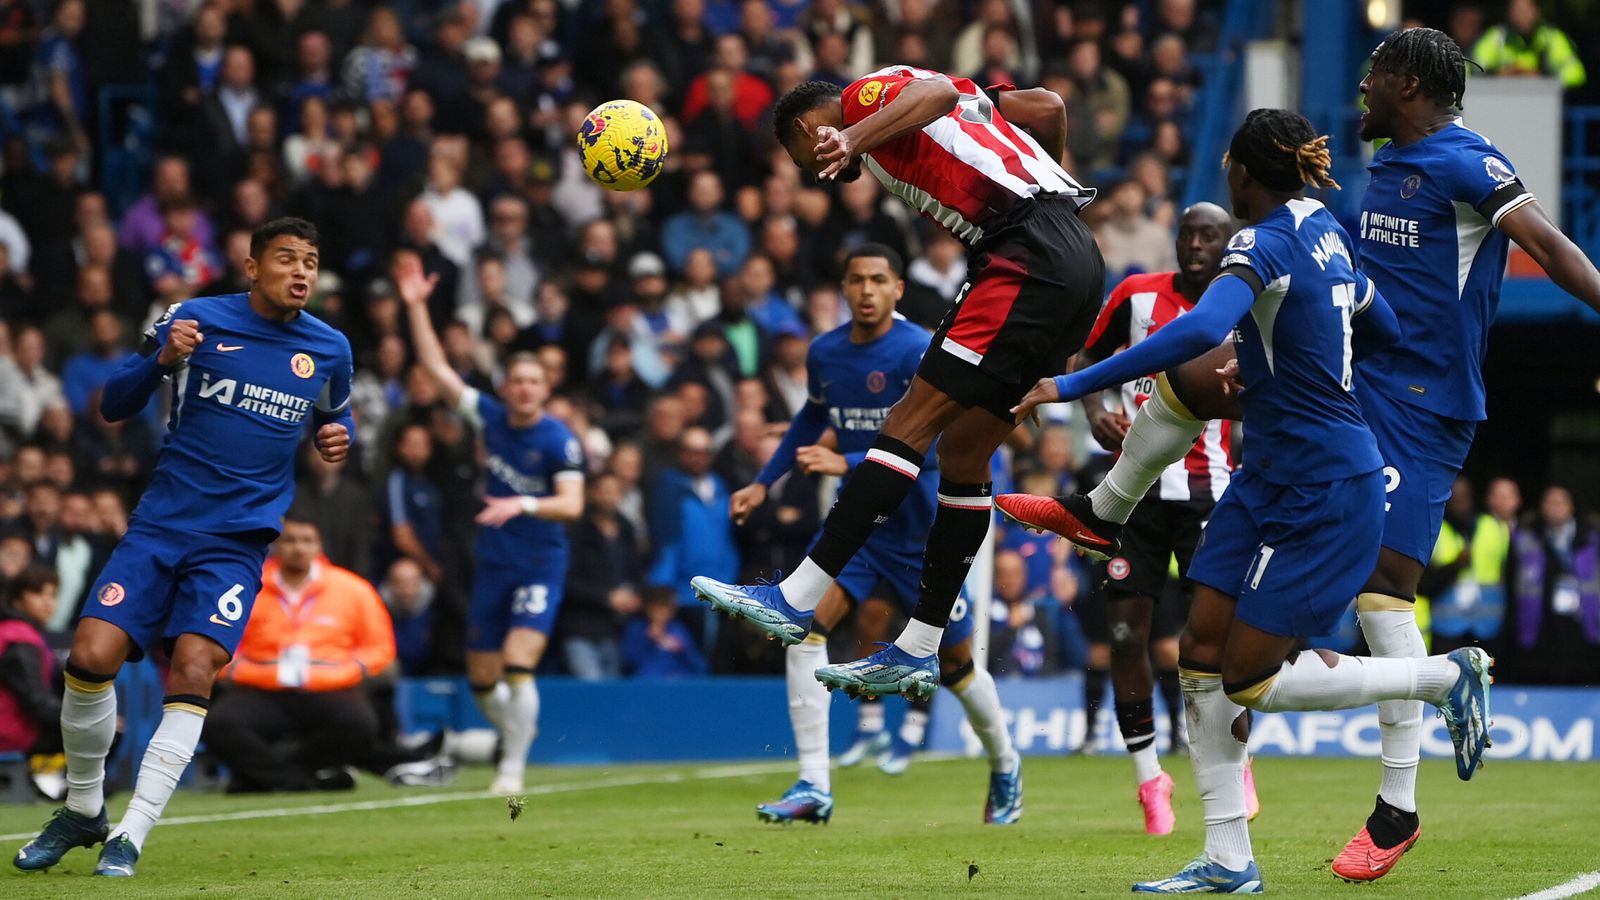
{"x":333,"y":442}
{"x":182,"y":339}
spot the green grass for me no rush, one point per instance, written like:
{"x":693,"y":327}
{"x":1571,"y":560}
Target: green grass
{"x":1519,"y":827}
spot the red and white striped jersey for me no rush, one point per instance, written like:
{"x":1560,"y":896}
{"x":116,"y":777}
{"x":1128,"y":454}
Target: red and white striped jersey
{"x":1136,"y":309}
{"x":967,"y":170}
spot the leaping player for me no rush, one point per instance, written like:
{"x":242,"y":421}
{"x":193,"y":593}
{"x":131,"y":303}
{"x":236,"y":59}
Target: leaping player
{"x":1439,"y":210}
{"x":986,"y":168}
{"x":247,"y":371}
{"x":856,"y":372}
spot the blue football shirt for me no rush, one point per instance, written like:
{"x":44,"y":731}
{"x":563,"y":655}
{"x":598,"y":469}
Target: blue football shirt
{"x":1430,"y":241}
{"x":521,"y":461}
{"x":1303,"y":424}
{"x":240,"y":407}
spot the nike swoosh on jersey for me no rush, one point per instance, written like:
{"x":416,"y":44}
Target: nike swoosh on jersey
{"x":226,"y":349}
{"x":218,"y":620}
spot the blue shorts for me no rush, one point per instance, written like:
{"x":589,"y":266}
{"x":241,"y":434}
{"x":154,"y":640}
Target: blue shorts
{"x":1423,"y":452}
{"x":901,"y":570}
{"x":162,"y":582}
{"x":526,"y":594}
{"x":1293,"y":555}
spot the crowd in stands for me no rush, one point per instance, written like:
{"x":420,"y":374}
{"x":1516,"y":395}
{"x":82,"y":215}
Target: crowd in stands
{"x":673,"y":321}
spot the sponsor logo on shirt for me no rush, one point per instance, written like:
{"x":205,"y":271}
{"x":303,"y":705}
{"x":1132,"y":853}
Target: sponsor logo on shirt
{"x":1382,"y":228}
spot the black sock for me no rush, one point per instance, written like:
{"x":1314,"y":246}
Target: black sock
{"x":1389,"y":826}
{"x":1094,"y":693}
{"x":870,"y":495}
{"x":1172,"y":696}
{"x":959,"y":527}
{"x":1136,"y":720}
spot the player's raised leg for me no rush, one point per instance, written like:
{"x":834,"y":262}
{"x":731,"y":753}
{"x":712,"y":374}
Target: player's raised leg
{"x":1165,"y":429}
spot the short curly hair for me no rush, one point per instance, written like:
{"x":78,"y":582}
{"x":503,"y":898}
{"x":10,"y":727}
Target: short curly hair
{"x":799,"y":100}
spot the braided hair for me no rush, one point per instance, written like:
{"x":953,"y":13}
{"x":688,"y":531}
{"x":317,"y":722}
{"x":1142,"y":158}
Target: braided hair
{"x":1433,"y":57}
{"x":798,"y":101}
{"x":1281,"y":150}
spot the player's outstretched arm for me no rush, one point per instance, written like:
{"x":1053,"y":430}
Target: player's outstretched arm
{"x":1042,"y":112}
{"x":415,"y":286}
{"x":1530,"y":226}
{"x":1220,"y":308}
{"x":918,"y":103}
{"x":130,"y":386}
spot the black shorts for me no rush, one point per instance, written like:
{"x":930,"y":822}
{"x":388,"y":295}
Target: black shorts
{"x":1033,"y":291}
{"x":1167,"y":621}
{"x":1157,"y":531}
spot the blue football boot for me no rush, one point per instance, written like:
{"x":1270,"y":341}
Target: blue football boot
{"x":1004,"y":805}
{"x":117,"y":858}
{"x":65,"y":830}
{"x":896,"y":758}
{"x":762,"y":605}
{"x":866,"y":743}
{"x":801,"y":803}
{"x":889,"y":671}
{"x":1465,"y":709}
{"x":1206,"y":877}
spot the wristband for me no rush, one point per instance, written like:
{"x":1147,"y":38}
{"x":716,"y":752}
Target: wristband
{"x":530,"y":505}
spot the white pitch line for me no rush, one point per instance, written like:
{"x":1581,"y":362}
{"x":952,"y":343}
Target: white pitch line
{"x":738,"y":771}
{"x":1583,"y":884}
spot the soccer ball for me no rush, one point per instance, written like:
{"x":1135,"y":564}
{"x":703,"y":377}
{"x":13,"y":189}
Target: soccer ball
{"x":623,"y":145}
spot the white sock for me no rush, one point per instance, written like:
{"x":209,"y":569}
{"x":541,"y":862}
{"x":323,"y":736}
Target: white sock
{"x":914,"y":726}
{"x":1161,"y":433}
{"x":869,"y":716}
{"x":981,"y":700}
{"x":808,"y":708}
{"x":522,"y":723}
{"x":88,"y":726}
{"x":1392,"y":632}
{"x":1309,"y":683}
{"x":919,"y":638}
{"x":169,"y":752}
{"x":492,"y":703}
{"x":1218,"y":760}
{"x":1146,"y":763}
{"x":804,"y":587}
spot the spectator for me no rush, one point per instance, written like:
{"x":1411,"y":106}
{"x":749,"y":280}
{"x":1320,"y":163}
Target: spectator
{"x":143,"y":226}
{"x":1130,"y":240}
{"x":60,"y":79}
{"x":686,"y":47}
{"x":314,"y":77}
{"x":379,"y":67}
{"x":308,"y":677}
{"x":30,"y":701}
{"x":689,"y":520}
{"x":226,"y":114}
{"x":602,"y":584}
{"x":41,"y":389}
{"x":331,"y":497}
{"x":1108,"y":101}
{"x":1525,"y":44}
{"x":86,"y":372}
{"x":77,"y":556}
{"x":769,"y":308}
{"x":409,"y":597}
{"x":1465,"y":581}
{"x":418,"y":235}
{"x":1553,"y":619}
{"x":414,"y":509}
{"x":1016,"y":643}
{"x":706,"y":225}
{"x":180,"y":263}
{"x":657,"y":644}
{"x":508,"y":238}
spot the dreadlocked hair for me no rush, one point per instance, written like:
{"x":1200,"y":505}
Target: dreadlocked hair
{"x":1281,"y":150}
{"x":799,"y":100}
{"x":1433,"y":57}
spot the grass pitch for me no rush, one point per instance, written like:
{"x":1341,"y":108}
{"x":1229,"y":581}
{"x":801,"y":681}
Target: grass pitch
{"x":691,"y":831}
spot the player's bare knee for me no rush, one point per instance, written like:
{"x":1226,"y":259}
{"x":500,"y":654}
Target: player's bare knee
{"x":193,"y":674}
{"x":1240,"y":727}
